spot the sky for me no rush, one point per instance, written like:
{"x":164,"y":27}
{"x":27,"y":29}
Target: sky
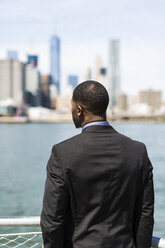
{"x":85,"y":28}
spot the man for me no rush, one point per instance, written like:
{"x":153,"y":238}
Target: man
{"x":99,"y":187}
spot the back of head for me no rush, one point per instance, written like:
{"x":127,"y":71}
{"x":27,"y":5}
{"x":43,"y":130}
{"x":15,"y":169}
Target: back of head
{"x":92,"y":96}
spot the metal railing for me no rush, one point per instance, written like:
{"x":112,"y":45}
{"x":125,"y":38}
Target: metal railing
{"x":20,"y":221}
{"x":28,"y":239}
{"x":34,"y":239}
{"x":23,"y":239}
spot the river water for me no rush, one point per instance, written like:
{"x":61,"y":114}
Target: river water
{"x":25,"y":149}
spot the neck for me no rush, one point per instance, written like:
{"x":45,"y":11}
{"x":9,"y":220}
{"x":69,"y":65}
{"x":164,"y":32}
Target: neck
{"x":93,"y":118}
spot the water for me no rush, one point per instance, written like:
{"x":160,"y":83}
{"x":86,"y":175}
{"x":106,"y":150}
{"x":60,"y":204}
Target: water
{"x":25,"y":149}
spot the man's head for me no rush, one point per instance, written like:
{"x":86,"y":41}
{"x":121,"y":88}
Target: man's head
{"x":89,"y":103}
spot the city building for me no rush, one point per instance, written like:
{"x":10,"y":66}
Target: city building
{"x":114,"y":71}
{"x":122,"y":102}
{"x":55,"y":62}
{"x":73,"y":80}
{"x":97,"y":66}
{"x":102,"y":78}
{"x":45,"y":91}
{"x":63,"y":104}
{"x":100,"y":74}
{"x":88,"y":74}
{"x":32,"y":86}
{"x":11,"y":54}
{"x":53,"y":96}
{"x":12,"y":82}
{"x":151,"y":97}
{"x":32,"y":60}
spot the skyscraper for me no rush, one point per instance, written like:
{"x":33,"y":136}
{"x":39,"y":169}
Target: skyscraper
{"x":88,"y":74}
{"x":11,"y":54}
{"x":45,"y":91}
{"x":114,"y":71}
{"x":32,"y":60}
{"x":73,"y":80}
{"x":100,"y":72}
{"x":32,"y":81}
{"x":32,"y":86}
{"x":11,"y":80}
{"x":55,"y":62}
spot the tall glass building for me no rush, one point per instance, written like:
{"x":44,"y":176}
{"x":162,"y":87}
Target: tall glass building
{"x":55,"y":62}
{"x":32,"y":60}
{"x":32,"y":81}
{"x":11,"y":54}
{"x":73,"y":80}
{"x":114,"y":71}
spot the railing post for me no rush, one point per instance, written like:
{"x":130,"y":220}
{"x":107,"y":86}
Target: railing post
{"x":158,"y":242}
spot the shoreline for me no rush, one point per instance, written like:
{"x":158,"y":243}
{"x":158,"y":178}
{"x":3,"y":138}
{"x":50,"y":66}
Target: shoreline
{"x":68,"y":119}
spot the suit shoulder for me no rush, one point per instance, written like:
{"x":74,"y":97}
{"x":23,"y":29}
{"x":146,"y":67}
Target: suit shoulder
{"x":125,"y":140}
{"x":68,"y":142}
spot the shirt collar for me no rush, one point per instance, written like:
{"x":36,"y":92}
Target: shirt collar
{"x":99,"y":123}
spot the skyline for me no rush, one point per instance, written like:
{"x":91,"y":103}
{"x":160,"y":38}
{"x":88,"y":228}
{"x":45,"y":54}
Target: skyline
{"x":85,"y":29}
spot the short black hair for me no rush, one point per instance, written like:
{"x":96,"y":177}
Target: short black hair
{"x":93,"y":96}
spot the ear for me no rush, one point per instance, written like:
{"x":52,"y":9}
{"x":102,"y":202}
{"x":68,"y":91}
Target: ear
{"x":80,"y":110}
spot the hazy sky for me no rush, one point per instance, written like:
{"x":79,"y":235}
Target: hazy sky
{"x":85,"y":28}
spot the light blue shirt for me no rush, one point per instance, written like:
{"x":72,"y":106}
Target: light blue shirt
{"x":94,"y":123}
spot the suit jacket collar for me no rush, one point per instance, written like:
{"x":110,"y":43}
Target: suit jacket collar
{"x":99,"y":129}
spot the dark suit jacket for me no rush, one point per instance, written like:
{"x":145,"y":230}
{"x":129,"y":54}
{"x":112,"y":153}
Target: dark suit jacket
{"x":98,"y":192}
